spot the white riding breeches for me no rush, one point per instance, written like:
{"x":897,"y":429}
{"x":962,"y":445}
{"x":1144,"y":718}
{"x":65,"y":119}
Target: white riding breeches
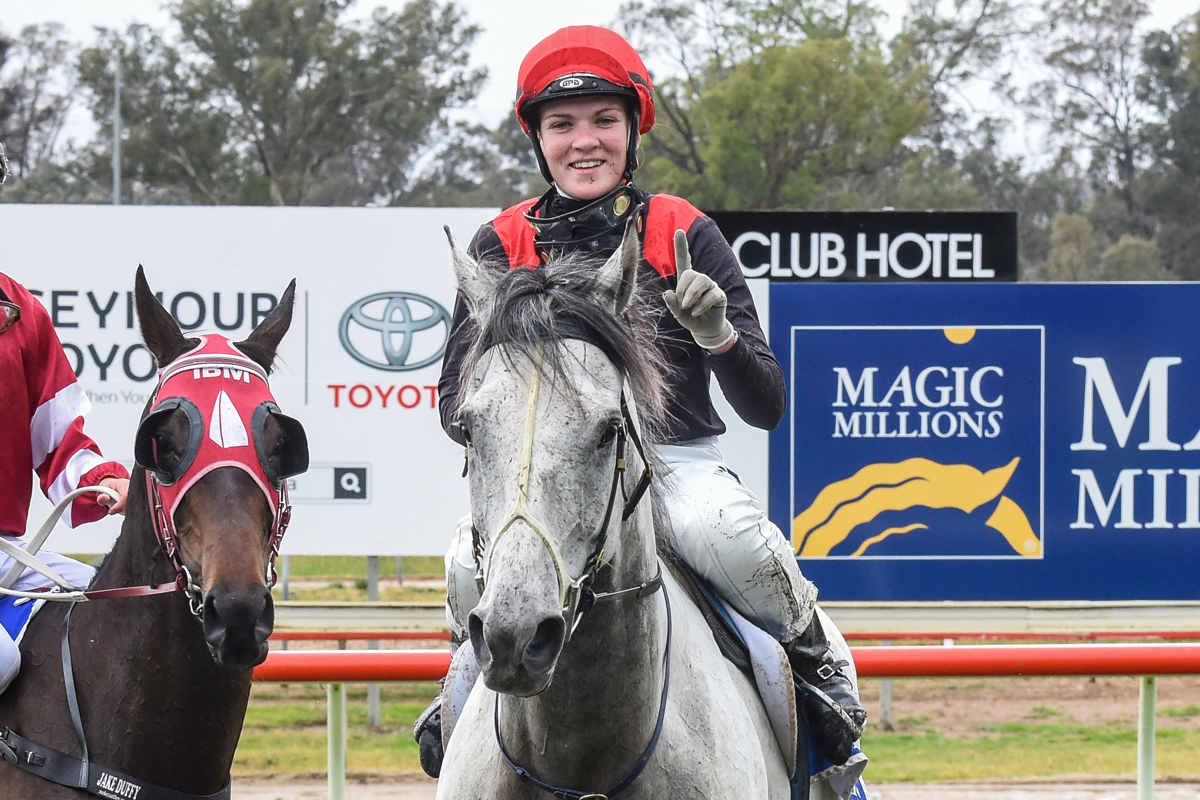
{"x":720,"y":530}
{"x":76,"y":572}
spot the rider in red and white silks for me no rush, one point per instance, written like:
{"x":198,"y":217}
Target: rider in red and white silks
{"x":720,"y":528}
{"x":43,"y":407}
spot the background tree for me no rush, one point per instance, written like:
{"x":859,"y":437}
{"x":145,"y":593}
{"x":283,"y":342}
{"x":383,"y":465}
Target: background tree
{"x":1133,"y":259}
{"x":1171,"y":187}
{"x":37,"y":88}
{"x":285,"y":101}
{"x":1090,"y":101}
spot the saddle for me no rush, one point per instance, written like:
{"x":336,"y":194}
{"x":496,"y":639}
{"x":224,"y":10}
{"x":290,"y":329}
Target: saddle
{"x":15,"y":614}
{"x":762,"y":658}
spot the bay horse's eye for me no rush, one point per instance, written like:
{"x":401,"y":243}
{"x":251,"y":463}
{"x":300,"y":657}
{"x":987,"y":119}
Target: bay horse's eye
{"x":166,"y":456}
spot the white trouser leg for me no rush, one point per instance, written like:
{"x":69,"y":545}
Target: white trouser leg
{"x":78,"y":573}
{"x":462,"y":593}
{"x":723,"y":533}
{"x":10,"y":660}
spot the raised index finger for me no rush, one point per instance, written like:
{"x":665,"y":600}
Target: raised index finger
{"x":683,"y":259}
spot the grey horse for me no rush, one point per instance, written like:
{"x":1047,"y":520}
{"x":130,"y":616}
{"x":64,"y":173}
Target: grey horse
{"x":562,"y":380}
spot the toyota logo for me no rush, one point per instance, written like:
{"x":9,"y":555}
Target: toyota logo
{"x":382,"y":331}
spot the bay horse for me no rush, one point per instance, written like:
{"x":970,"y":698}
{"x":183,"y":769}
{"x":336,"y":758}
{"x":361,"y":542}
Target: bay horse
{"x":597,"y":678}
{"x":163,"y":680}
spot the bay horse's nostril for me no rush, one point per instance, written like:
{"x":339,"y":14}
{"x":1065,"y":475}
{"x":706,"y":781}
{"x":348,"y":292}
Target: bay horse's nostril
{"x":238,"y":624}
{"x":547,"y":642}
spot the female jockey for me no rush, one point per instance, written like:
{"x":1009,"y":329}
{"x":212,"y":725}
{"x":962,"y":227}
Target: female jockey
{"x":42,"y":406}
{"x":585,"y":99}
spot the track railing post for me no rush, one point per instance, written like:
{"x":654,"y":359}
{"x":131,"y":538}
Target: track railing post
{"x":1147,"y":697}
{"x":337,"y":741}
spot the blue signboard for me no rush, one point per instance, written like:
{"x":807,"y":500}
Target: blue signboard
{"x":990,"y":442}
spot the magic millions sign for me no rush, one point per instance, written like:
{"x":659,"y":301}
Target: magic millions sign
{"x":990,"y":442}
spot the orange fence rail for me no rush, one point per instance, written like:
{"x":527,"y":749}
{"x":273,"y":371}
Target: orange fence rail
{"x":366,"y":666}
{"x":355,"y":636}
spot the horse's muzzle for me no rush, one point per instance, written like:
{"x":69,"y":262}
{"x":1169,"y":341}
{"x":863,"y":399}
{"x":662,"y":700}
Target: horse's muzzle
{"x":517,"y":660}
{"x":238,"y":624}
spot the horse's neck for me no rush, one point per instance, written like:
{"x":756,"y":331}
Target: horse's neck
{"x":145,"y":660}
{"x":607,"y":686}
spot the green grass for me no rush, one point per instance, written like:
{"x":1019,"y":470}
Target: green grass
{"x":285,"y":730}
{"x":1186,"y":712}
{"x":1044,"y":712}
{"x":349,"y":568}
{"x":339,"y":592}
{"x":1016,"y":750}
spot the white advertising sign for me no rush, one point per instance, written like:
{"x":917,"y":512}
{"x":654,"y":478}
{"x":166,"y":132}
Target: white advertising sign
{"x":359,"y":366}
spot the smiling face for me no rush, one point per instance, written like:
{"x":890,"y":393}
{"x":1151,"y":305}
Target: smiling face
{"x":585,"y":141}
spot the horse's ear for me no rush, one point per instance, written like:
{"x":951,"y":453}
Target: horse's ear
{"x":263,"y":341}
{"x":160,"y":332}
{"x":474,"y":282}
{"x":618,"y":276}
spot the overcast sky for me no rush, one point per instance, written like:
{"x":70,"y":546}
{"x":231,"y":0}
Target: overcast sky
{"x":510,"y":28}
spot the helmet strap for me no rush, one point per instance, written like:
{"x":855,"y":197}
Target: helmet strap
{"x":632,"y":156}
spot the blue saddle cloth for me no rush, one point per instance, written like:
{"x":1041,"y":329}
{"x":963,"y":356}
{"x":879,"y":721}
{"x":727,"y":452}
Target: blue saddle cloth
{"x":15,"y":613}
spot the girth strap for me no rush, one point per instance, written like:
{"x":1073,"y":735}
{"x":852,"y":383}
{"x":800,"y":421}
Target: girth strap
{"x":65,"y":770}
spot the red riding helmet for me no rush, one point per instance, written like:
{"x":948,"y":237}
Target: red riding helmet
{"x":583,"y":61}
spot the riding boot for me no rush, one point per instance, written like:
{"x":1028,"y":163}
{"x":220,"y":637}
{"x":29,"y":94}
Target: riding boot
{"x":428,"y":733}
{"x":428,"y":730}
{"x":824,"y":695}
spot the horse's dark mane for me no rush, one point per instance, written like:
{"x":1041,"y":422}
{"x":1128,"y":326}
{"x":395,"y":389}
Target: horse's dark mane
{"x":530,"y":308}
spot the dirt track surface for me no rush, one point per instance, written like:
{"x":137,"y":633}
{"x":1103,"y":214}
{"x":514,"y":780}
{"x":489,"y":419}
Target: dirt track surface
{"x":415,"y":789}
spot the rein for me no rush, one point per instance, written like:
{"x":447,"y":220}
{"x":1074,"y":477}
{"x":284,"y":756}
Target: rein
{"x":65,"y":592}
{"x":576,"y":595}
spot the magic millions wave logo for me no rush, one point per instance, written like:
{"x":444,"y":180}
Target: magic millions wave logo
{"x":917,"y":442}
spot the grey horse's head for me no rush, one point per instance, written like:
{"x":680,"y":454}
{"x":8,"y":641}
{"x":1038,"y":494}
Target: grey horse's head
{"x":541,"y":412}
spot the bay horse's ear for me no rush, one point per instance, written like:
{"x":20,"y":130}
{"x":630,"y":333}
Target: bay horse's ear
{"x":263,"y":341}
{"x":618,"y":276}
{"x":160,"y":332}
{"x":474,"y":282}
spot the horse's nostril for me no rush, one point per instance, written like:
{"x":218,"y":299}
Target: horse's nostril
{"x":212,"y":614}
{"x":543,"y":649}
{"x":475,"y":628}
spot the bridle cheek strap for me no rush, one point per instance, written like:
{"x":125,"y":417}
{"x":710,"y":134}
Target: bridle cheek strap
{"x":575,"y":595}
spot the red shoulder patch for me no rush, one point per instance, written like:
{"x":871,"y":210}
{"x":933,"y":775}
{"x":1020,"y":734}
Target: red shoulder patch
{"x":516,"y":235}
{"x":666,"y":215}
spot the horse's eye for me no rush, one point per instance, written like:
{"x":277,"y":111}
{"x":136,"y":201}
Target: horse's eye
{"x":166,"y":455}
{"x":610,"y":434}
{"x":465,"y":432}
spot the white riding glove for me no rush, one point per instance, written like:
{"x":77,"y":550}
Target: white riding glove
{"x":697,"y":302}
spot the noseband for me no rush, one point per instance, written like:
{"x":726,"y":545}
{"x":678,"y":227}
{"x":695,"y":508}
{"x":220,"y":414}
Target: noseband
{"x":575,"y":595}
